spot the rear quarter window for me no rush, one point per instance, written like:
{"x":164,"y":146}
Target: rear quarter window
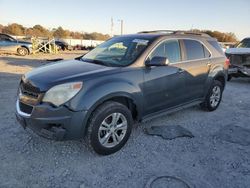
{"x":216,"y":45}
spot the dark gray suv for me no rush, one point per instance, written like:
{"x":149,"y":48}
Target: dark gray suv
{"x":127,"y":79}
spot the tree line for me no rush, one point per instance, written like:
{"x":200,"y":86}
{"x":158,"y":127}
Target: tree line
{"x":40,"y":31}
{"x":220,"y":36}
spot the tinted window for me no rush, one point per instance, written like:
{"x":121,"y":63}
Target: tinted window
{"x":6,"y":38}
{"x":216,"y":46}
{"x":194,"y":49}
{"x":168,"y":49}
{"x":244,"y":44}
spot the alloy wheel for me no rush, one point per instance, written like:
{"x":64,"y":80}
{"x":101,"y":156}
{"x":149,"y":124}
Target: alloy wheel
{"x":215,"y":96}
{"x":112,"y":130}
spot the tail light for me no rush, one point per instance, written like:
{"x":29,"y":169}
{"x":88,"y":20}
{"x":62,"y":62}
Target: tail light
{"x":227,"y":63}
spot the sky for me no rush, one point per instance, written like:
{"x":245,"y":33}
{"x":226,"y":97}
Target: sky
{"x":138,"y":15}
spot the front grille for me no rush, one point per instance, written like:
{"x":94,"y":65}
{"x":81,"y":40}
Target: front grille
{"x":29,"y":90}
{"x":25,"y":108}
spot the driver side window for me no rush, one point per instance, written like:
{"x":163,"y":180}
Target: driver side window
{"x":169,"y":49}
{"x":5,"y":38}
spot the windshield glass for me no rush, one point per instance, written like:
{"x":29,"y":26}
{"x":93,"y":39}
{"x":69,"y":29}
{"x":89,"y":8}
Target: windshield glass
{"x":118,"y":51}
{"x":244,"y":44}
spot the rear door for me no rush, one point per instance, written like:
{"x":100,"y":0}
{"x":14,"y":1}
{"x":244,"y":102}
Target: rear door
{"x":196,"y":64}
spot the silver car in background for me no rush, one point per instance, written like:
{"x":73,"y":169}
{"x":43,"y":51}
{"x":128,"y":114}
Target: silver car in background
{"x":11,"y":45}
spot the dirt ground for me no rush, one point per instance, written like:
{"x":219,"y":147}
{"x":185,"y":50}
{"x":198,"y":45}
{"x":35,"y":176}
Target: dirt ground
{"x":218,"y":156}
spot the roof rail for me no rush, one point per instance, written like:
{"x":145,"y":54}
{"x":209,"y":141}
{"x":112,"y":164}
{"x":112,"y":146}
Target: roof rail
{"x":158,"y":31}
{"x":192,"y":33}
{"x":176,"y":32}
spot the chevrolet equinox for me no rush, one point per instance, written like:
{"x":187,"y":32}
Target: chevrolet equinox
{"x":126,"y":79}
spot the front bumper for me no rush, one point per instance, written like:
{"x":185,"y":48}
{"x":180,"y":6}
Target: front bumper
{"x":239,"y":71}
{"x":53,"y":123}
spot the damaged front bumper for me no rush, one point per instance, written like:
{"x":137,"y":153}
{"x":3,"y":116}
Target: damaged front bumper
{"x":239,"y":62}
{"x":53,"y":123}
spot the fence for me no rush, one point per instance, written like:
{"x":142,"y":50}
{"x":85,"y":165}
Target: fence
{"x":72,"y":42}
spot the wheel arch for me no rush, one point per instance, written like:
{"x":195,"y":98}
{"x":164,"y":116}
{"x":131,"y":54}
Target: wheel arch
{"x":122,"y":98}
{"x":221,"y":78}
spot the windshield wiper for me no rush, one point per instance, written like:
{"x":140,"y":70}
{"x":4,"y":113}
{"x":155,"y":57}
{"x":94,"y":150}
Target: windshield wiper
{"x":96,"y":61}
{"x":93,"y":61}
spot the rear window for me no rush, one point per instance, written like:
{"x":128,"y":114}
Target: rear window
{"x":195,"y":50}
{"x":216,"y":45}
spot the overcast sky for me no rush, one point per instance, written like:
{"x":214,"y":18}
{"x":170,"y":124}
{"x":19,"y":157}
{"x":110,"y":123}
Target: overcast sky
{"x":95,"y":15}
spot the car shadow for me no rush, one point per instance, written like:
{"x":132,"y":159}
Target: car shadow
{"x":240,"y":80}
{"x":22,"y":62}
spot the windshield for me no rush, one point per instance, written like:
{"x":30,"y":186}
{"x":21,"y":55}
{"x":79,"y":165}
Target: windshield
{"x":118,"y":51}
{"x":244,"y":44}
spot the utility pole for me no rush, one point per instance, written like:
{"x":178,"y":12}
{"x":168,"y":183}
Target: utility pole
{"x":121,"y":21}
{"x":112,"y":27}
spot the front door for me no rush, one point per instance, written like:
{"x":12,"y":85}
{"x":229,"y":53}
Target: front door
{"x":164,"y":86}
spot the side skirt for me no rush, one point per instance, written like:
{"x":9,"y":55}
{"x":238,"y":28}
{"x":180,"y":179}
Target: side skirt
{"x":171,"y":110}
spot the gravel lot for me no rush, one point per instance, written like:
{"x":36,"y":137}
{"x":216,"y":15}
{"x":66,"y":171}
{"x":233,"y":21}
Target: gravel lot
{"x":27,"y":160}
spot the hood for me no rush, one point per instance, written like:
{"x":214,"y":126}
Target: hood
{"x":60,"y":72}
{"x":238,"y":51}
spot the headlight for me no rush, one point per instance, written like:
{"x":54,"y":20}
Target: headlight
{"x":60,"y":94}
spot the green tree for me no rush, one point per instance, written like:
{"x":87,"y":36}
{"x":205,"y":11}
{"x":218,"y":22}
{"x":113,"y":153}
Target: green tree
{"x":1,"y":28}
{"x":40,"y":31}
{"x":220,"y":36}
{"x":14,"y":29}
{"x":60,"y":33}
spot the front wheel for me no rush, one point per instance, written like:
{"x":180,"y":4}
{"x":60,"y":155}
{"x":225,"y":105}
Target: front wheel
{"x":22,"y":51}
{"x":109,"y":128}
{"x":213,"y":97}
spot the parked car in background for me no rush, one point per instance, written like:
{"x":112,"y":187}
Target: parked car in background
{"x":127,"y":79}
{"x":223,"y":47}
{"x":63,"y":45}
{"x":239,"y":59}
{"x":11,"y":45}
{"x":81,"y":47}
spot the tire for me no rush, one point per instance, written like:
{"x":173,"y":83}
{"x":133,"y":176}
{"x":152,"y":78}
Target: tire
{"x":109,"y":128}
{"x":22,"y":51}
{"x":229,"y":78}
{"x":213,"y":98}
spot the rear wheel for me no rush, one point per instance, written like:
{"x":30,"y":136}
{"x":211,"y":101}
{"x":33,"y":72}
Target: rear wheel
{"x":109,"y":128}
{"x":213,"y":97}
{"x":22,"y":51}
{"x":229,"y":77}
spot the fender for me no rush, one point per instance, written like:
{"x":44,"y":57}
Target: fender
{"x":215,"y":71}
{"x":95,"y":94}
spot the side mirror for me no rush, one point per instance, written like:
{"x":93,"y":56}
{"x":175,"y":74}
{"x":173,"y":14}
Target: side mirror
{"x":158,"y":61}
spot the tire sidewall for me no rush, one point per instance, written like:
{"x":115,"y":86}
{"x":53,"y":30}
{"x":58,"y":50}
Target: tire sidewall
{"x":96,"y":123}
{"x":215,"y":83}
